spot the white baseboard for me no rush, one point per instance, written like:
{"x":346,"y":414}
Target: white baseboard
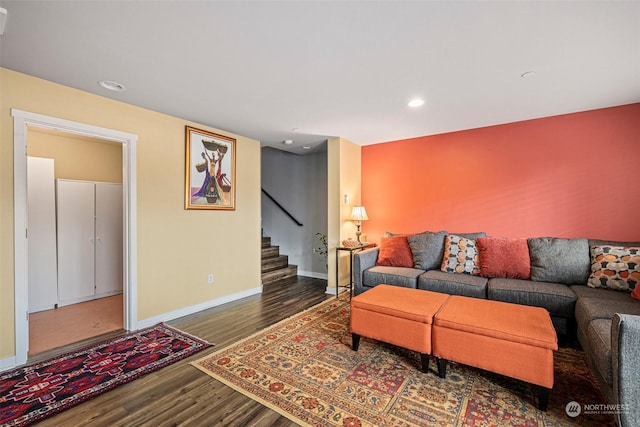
{"x":7,"y":363}
{"x":198,"y":307}
{"x":331,"y":290}
{"x":10,"y":362}
{"x":313,"y":274}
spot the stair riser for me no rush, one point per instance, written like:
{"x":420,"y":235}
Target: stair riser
{"x":270,"y":252}
{"x":271,"y":264}
{"x":274,"y":276}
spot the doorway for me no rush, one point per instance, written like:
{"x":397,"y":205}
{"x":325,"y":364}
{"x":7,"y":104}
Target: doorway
{"x":75,"y":277}
{"x":22,"y":121}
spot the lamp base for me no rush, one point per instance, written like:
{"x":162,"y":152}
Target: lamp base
{"x":358,"y":233}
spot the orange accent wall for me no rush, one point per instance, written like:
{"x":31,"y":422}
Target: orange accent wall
{"x":574,"y":175}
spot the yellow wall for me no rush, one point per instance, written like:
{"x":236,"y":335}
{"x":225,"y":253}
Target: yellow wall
{"x":344,"y":177}
{"x":77,"y":157}
{"x":177,"y":248}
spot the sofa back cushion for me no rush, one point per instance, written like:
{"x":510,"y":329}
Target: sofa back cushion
{"x":395,"y":252}
{"x":504,"y":258}
{"x":427,"y":249}
{"x":559,"y":260}
{"x":472,"y":236}
{"x":597,"y":242}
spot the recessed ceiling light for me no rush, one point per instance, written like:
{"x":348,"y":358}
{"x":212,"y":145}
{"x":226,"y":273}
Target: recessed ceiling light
{"x":414,"y":103}
{"x":306,"y":147}
{"x":287,"y":142}
{"x":111,"y":85}
{"x":528,"y":74}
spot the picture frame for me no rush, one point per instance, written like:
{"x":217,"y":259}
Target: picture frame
{"x":210,"y":170}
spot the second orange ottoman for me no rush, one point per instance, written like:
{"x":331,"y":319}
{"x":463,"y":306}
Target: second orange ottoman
{"x":396,"y":315}
{"x":509,"y":339}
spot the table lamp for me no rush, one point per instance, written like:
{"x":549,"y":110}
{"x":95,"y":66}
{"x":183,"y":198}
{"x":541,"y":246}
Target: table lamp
{"x":359,"y":214}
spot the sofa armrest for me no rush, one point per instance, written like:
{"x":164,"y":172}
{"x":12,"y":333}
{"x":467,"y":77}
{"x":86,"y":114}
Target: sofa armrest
{"x":361,"y":261}
{"x":625,"y":359}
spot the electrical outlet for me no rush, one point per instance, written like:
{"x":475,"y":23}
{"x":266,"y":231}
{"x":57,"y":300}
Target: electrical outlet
{"x":210,"y":278}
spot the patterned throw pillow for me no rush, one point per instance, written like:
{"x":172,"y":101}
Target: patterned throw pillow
{"x":460,"y":256}
{"x":614,"y":267}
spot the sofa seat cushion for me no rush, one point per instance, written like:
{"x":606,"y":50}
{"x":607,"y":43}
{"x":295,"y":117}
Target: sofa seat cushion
{"x":601,"y":293}
{"x":558,"y":299}
{"x":589,"y":309}
{"x":398,"y":276}
{"x":599,"y":336}
{"x":453,"y":284}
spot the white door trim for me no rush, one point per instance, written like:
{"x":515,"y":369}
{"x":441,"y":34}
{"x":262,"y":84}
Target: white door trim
{"x":21,"y":120}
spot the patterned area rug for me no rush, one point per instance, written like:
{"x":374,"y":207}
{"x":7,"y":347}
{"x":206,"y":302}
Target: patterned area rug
{"x":34,"y":392}
{"x":304,"y":369}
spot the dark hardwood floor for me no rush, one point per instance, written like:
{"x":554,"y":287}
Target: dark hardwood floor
{"x":182,"y":395}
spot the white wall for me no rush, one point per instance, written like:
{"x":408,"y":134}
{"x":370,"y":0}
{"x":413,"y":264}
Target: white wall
{"x":298,"y":183}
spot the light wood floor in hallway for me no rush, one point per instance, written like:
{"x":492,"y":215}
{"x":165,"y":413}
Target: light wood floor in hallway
{"x":181,"y":395}
{"x":72,"y":323}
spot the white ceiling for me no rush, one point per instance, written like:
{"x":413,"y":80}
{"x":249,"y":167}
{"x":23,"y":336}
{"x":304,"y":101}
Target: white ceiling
{"x":345,"y":68}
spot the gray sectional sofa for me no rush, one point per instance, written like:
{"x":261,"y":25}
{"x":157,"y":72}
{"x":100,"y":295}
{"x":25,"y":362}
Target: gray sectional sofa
{"x":606,"y":322}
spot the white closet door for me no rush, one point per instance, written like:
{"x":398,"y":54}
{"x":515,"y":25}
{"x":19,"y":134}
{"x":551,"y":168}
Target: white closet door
{"x":76,"y":268}
{"x":41,"y":225}
{"x":109,"y":231}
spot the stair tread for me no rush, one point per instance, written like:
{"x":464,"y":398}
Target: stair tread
{"x":274,"y":259}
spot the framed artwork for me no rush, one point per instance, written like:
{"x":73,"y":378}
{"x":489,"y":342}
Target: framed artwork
{"x":210,"y":170}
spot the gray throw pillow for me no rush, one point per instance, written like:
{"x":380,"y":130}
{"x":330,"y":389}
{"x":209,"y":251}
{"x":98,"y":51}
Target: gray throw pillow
{"x":559,"y":260}
{"x":427,"y":249}
{"x":472,"y":236}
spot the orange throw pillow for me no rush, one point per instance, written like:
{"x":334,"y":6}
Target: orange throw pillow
{"x":395,"y":252}
{"x":504,"y":257}
{"x":636,"y":293}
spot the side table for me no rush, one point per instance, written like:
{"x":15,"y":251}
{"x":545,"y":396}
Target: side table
{"x":351,"y":251}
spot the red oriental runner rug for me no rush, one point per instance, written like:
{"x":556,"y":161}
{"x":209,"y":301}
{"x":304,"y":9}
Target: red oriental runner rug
{"x":34,"y":392}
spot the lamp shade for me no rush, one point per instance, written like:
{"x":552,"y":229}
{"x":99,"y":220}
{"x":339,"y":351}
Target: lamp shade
{"x":359,"y":213}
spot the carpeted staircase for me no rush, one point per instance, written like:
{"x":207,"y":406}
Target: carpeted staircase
{"x":275,"y":267}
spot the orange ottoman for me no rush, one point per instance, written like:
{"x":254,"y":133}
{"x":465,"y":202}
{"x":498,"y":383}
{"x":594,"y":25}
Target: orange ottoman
{"x":509,"y":339}
{"x":396,"y":315}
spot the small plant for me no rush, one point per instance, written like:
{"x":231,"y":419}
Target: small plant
{"x":323,"y":250}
